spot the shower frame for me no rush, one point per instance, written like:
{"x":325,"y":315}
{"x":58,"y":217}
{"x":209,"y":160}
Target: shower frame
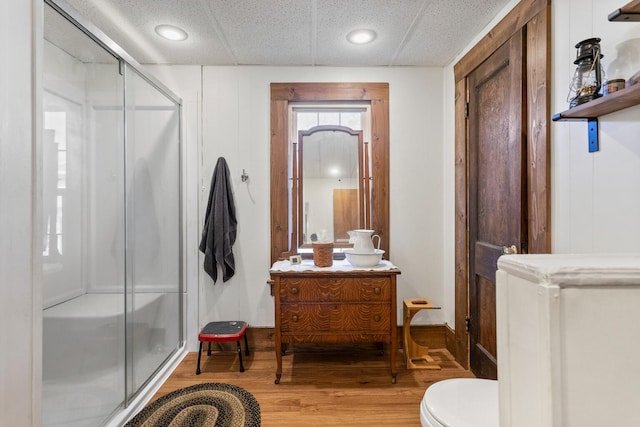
{"x":95,"y":34}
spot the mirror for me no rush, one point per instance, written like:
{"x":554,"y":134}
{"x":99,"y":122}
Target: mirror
{"x":332,"y":188}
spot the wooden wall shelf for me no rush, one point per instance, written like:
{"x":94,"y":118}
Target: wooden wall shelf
{"x":630,"y":12}
{"x":590,"y":111}
{"x":625,"y":98}
{"x":616,"y":101}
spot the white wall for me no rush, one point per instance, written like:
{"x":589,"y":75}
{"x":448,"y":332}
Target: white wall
{"x":20,"y":285}
{"x":236,"y":126}
{"x":595,"y":196}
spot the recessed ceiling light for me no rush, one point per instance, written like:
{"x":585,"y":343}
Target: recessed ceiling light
{"x":361,"y":36}
{"x":171,"y":32}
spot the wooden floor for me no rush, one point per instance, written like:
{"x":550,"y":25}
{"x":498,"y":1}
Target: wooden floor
{"x":322,"y":386}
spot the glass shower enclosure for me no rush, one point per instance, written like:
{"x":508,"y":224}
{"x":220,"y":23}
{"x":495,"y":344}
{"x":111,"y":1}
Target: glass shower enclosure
{"x":111,"y":249}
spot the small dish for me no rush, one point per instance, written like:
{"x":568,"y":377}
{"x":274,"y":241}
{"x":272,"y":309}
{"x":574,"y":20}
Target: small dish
{"x":364,"y":259}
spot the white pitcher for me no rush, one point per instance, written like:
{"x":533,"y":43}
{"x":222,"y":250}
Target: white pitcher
{"x":363,"y":241}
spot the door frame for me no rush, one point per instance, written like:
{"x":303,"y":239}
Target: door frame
{"x":533,"y":17}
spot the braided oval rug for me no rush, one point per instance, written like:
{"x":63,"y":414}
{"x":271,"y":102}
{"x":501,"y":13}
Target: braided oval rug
{"x":200,"y":405}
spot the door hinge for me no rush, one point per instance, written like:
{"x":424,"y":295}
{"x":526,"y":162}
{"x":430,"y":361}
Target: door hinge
{"x":466,"y":109}
{"x":467,"y":325}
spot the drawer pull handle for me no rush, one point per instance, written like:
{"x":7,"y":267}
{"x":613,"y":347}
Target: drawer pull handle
{"x":294,"y":291}
{"x":294,"y":318}
{"x":376,"y":291}
{"x":376,"y":318}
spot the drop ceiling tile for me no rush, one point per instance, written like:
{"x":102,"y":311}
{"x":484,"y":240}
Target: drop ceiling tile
{"x":447,"y":27}
{"x":273,"y":32}
{"x":131,"y":24}
{"x":336,"y":18}
{"x":292,"y":32}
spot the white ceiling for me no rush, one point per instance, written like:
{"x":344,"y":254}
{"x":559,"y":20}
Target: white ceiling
{"x":292,"y":32}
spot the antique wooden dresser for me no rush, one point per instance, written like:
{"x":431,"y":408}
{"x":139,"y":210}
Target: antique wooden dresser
{"x":339,"y":304}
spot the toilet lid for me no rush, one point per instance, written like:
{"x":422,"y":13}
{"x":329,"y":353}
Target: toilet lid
{"x":463,"y":402}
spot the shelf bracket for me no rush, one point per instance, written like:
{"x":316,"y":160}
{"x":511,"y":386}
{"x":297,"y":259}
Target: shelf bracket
{"x":594,"y":144}
{"x":594,"y":141}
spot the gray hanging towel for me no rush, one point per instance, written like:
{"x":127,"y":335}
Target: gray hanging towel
{"x":220,"y":225}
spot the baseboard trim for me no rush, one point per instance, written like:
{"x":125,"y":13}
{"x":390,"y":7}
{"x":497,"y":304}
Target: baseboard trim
{"x":433,"y":336}
{"x":450,"y":338}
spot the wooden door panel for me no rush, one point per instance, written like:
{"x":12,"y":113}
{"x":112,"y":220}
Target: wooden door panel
{"x":487,"y":314}
{"x":345,"y":217}
{"x":495,"y":189}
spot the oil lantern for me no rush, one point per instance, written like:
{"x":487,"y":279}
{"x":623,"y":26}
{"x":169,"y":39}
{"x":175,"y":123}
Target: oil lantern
{"x":587,"y":78}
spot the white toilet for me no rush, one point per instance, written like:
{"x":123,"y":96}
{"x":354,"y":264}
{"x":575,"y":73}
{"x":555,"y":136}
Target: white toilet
{"x":461,"y":402}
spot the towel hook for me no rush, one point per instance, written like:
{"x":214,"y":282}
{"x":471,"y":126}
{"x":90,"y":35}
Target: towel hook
{"x":244,"y":176}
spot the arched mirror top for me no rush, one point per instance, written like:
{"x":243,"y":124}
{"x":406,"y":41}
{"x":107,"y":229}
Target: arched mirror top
{"x":329,"y":128}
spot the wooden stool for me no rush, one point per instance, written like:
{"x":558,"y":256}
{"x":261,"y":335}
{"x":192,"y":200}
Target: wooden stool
{"x":416,"y":355}
{"x":223,"y":332}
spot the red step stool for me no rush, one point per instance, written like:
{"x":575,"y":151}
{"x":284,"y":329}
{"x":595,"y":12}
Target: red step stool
{"x":223,"y":332}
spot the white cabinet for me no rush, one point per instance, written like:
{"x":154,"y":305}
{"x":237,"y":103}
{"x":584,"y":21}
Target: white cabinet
{"x":568,"y":340}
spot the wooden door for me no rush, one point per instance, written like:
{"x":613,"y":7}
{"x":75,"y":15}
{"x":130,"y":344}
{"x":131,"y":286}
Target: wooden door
{"x":497,"y":189}
{"x":530,"y":19}
{"x":345,"y":217}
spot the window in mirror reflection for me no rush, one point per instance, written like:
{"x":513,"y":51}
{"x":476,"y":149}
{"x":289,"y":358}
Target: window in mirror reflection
{"x":54,"y":174}
{"x":329,"y":155}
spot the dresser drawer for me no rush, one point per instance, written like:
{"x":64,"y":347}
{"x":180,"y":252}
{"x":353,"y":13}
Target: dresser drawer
{"x":343,"y":317}
{"x":307,"y":289}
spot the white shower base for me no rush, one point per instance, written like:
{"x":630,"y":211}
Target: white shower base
{"x":84,"y":356}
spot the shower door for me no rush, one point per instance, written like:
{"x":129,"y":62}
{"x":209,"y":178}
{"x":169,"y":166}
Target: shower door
{"x":152,"y":228}
{"x":110,"y":206}
{"x":83,"y":251}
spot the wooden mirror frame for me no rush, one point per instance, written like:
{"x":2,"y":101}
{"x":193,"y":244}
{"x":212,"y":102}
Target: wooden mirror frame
{"x":284,"y":93}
